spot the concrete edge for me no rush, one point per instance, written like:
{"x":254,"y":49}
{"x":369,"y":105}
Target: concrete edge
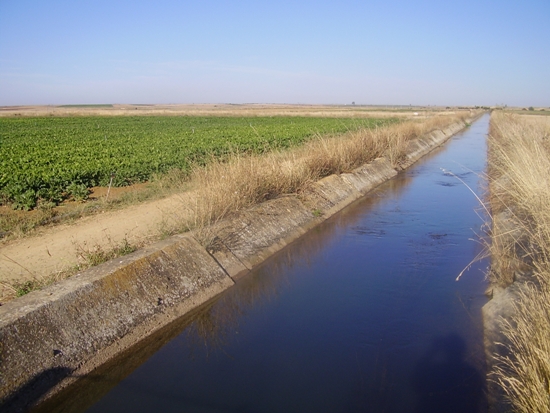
{"x":84,"y":321}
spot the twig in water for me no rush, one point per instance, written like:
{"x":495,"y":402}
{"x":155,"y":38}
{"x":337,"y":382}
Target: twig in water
{"x":446,"y":172}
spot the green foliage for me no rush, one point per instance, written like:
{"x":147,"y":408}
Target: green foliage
{"x":97,"y":255}
{"x":531,"y":108}
{"x":54,"y":158}
{"x":24,"y":288}
{"x":79,"y":192}
{"x":25,"y":200}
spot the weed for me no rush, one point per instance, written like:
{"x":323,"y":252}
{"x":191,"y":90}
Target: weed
{"x":26,"y":287}
{"x":98,"y":254}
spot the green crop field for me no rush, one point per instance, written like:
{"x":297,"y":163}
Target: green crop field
{"x":56,"y":158}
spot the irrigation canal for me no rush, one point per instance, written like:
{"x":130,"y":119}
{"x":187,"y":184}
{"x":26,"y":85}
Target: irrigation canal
{"x":361,"y":315}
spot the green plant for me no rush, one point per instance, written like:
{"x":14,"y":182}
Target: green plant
{"x":79,"y":192}
{"x":26,"y":287}
{"x":24,"y":200}
{"x":47,"y":157}
{"x":98,"y":254}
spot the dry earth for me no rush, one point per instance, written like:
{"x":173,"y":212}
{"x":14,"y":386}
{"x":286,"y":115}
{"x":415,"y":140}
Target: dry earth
{"x":59,"y":248}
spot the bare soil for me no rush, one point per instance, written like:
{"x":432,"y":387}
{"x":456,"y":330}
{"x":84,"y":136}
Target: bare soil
{"x":55,"y":250}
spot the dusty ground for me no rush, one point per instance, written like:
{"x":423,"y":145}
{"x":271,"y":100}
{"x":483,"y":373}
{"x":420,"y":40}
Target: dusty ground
{"x":56,"y":249}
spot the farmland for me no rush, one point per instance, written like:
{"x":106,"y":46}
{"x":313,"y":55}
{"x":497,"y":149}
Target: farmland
{"x":49,"y":159}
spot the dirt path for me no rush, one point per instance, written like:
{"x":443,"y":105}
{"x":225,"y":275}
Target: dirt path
{"x":56,"y":249}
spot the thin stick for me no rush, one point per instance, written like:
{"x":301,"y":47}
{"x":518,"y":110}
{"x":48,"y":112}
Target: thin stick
{"x":16,"y":263}
{"x":470,"y":189}
{"x":109,"y":189}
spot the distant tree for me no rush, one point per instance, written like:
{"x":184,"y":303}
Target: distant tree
{"x":353,"y":103}
{"x":531,"y":108}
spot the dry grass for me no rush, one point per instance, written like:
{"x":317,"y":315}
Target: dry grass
{"x":519,"y":170}
{"x":520,"y":188}
{"x":524,"y":373}
{"x":222,"y":188}
{"x":229,"y":110}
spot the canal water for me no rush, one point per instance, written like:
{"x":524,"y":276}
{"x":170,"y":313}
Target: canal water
{"x":364,"y":314}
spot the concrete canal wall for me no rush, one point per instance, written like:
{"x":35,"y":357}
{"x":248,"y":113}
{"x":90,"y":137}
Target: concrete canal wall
{"x":49,"y":337}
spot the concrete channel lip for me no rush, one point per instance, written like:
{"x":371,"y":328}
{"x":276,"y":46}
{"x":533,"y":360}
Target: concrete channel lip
{"x":73,"y":326}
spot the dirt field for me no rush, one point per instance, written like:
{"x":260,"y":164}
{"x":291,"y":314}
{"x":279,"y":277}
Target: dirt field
{"x":222,"y":110}
{"x":52,"y":252}
{"x":58,"y":248}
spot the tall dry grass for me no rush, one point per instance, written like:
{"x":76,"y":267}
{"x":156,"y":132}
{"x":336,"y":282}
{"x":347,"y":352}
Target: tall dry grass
{"x":222,"y":188}
{"x":519,"y":159}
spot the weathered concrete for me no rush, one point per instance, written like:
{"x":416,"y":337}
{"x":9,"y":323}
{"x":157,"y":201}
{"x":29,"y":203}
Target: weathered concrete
{"x":67,"y":324}
{"x":421,"y":146}
{"x":254,"y":235}
{"x":75,"y":325}
{"x":330,"y":195}
{"x":369,"y":176}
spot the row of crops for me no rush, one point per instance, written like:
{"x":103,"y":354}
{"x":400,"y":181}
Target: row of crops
{"x":55,"y":158}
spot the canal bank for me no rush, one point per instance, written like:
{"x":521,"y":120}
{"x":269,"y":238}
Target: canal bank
{"x":90,"y":318}
{"x":517,"y":328}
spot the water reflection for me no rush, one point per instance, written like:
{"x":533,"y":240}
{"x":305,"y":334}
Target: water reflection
{"x":212,"y":325}
{"x":445,"y":381}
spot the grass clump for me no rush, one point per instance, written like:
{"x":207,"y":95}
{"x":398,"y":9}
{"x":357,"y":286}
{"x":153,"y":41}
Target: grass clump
{"x":519,"y":170}
{"x":90,"y":256}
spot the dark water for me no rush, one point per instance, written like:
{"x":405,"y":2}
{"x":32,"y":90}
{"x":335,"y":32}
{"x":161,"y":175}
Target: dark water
{"x":362,"y":315}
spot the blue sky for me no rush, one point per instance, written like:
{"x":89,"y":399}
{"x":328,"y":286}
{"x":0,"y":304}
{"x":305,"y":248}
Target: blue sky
{"x":371,"y":52}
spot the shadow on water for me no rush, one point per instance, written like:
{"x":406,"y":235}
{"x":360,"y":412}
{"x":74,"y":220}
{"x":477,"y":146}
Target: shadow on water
{"x":89,"y":388}
{"x":31,"y":392}
{"x":444,"y":380}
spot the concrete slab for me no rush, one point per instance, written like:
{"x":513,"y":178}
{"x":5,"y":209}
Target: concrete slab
{"x":369,"y":176}
{"x":66,"y":325}
{"x":330,"y":195}
{"x":254,"y":235}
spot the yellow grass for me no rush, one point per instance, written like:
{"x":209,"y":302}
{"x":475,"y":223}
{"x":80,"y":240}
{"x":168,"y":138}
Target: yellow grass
{"x":519,"y":160}
{"x":230,"y":110}
{"x":222,"y":188}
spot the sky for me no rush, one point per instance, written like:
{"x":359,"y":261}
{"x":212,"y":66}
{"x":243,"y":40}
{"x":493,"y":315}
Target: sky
{"x":424,"y":52}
